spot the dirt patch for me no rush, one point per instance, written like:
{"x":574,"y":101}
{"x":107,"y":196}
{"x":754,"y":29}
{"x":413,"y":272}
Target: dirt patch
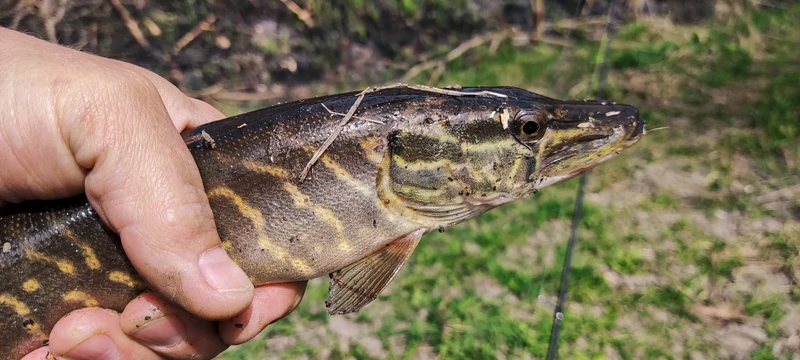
{"x":349,"y":331}
{"x":738,"y":341}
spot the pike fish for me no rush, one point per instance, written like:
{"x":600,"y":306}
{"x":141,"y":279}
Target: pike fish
{"x":410,"y":160}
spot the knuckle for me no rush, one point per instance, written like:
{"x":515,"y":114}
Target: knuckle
{"x":95,"y":110}
{"x":102,"y":94}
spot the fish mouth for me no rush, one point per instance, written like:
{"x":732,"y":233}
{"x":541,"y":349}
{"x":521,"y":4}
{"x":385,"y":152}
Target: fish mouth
{"x":581,"y":144}
{"x":583,"y":151}
{"x":638,"y":131}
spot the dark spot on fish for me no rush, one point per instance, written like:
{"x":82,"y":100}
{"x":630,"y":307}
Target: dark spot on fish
{"x":239,"y":326}
{"x":148,"y":317}
{"x":374,"y":223}
{"x":28,"y":322}
{"x":449,"y":178}
{"x":494,"y":188}
{"x":293,"y":239}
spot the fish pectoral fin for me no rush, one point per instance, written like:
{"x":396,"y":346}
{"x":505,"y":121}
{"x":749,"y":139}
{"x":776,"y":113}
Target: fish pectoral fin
{"x":450,"y":214}
{"x":357,"y":284}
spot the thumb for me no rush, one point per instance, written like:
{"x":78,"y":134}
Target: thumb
{"x":144,"y":183}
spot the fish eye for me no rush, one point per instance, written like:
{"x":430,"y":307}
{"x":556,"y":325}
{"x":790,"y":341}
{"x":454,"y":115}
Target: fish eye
{"x":530,"y":126}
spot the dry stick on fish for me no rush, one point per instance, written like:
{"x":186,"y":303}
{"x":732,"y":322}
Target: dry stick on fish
{"x":340,"y":126}
{"x":354,"y":117}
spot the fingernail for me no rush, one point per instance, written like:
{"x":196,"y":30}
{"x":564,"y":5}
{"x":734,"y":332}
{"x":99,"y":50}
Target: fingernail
{"x":297,"y":299}
{"x":166,"y":331}
{"x":97,"y":347}
{"x":222,"y":273}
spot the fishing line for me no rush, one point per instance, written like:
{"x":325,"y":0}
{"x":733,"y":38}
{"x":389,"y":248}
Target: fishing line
{"x":558,"y":314}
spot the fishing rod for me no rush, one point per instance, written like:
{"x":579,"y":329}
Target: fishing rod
{"x":558,"y":314}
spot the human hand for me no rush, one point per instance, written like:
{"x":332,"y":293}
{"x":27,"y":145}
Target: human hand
{"x":75,"y":123}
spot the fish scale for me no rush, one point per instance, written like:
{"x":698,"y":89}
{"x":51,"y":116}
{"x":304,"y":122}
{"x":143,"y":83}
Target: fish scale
{"x":410,"y":161}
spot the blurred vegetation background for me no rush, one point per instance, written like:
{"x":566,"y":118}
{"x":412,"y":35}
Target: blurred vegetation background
{"x":689,"y":245}
{"x":270,"y":47}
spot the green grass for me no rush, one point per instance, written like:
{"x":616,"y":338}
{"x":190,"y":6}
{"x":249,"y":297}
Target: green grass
{"x":728,"y":93}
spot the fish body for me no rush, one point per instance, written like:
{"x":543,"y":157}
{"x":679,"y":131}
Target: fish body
{"x":408,"y":162}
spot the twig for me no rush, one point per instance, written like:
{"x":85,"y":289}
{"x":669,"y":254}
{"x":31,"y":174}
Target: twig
{"x":92,"y":37}
{"x":658,"y":129}
{"x":52,"y":16}
{"x":576,"y":23}
{"x":446,"y":91}
{"x":438,"y":64}
{"x":354,"y":117}
{"x":537,"y":7}
{"x":419,"y":68}
{"x":301,"y":13}
{"x":336,"y":132}
{"x":471,"y":43}
{"x":203,"y":26}
{"x":21,"y":10}
{"x":131,"y":24}
{"x":437,"y":73}
{"x":455,"y":53}
{"x":207,"y":91}
{"x":360,"y":97}
{"x":495,"y":44}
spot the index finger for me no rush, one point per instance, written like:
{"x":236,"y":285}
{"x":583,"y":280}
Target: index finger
{"x":185,"y":112}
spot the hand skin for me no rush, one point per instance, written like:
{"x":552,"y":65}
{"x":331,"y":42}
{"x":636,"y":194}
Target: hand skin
{"x":76,"y":123}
